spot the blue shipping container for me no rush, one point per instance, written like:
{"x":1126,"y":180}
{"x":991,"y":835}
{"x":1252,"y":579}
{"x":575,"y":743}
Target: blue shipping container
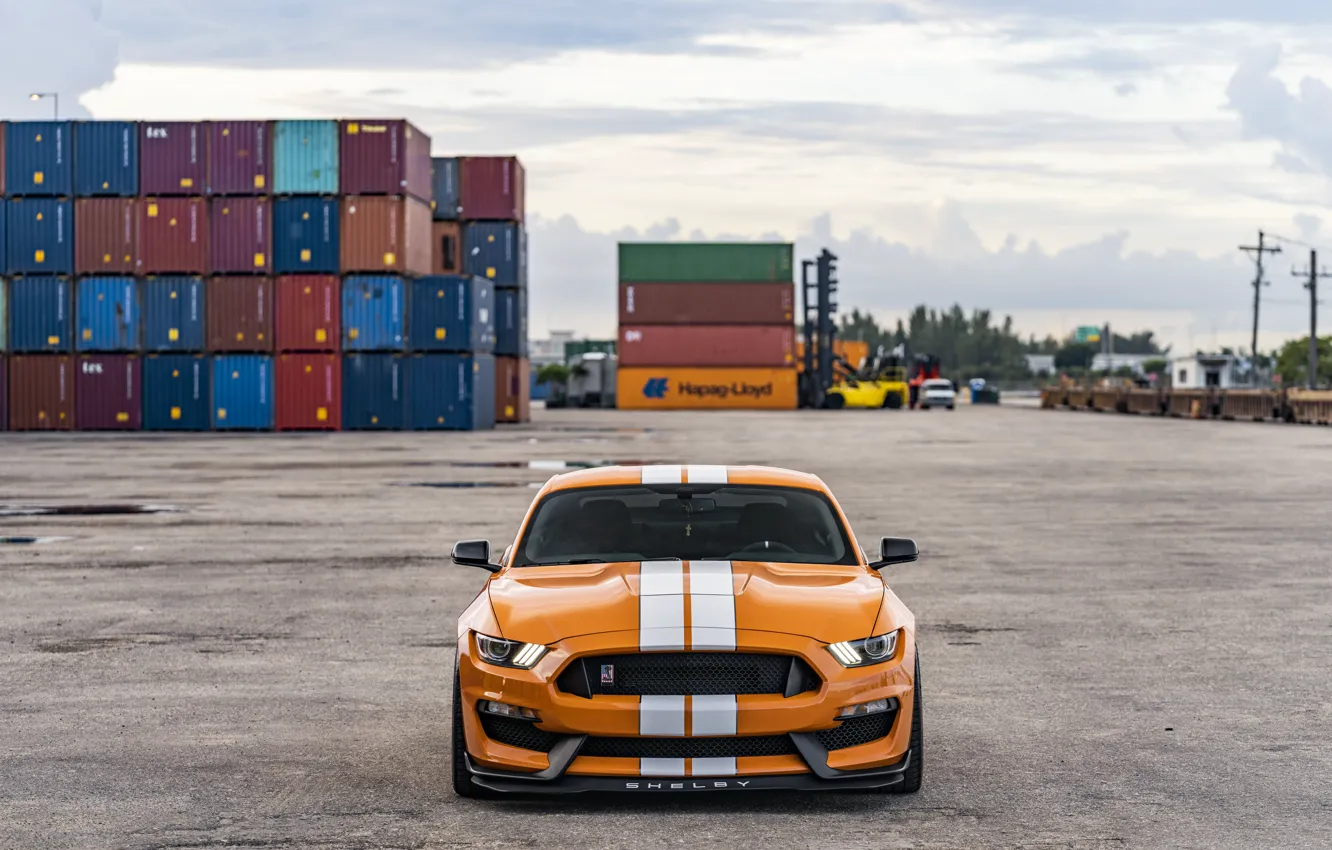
{"x":176,"y":392}
{"x":305,"y":158}
{"x":373,"y":313}
{"x":540,"y":392}
{"x":173,"y":314}
{"x":451,"y":392}
{"x":39,"y":314}
{"x":447,"y":195}
{"x":452,"y":313}
{"x":106,"y":314}
{"x":511,"y":322}
{"x":243,"y":392}
{"x":106,"y":159}
{"x":373,"y":392}
{"x":495,"y":251}
{"x":41,"y":236}
{"x":39,"y":158}
{"x":305,"y":236}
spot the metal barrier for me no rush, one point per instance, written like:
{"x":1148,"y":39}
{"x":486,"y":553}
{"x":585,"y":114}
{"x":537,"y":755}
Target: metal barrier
{"x":1108,"y":400}
{"x":1143,"y":402}
{"x":1256,"y":405}
{"x":1310,"y":407}
{"x":1052,"y":397}
{"x":1190,"y":404}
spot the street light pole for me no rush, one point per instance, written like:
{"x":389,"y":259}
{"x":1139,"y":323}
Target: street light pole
{"x":55,"y":99}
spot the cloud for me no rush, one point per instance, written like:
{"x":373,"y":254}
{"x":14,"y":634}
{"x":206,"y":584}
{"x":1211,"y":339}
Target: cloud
{"x":1157,"y":11}
{"x":60,"y":46}
{"x":1126,"y":89}
{"x":1301,"y":121}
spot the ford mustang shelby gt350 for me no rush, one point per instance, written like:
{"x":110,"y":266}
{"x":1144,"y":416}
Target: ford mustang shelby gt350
{"x":685,"y":628}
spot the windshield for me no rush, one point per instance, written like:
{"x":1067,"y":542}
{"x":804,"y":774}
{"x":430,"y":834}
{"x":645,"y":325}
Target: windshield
{"x":688,"y":522}
{"x":939,"y":385}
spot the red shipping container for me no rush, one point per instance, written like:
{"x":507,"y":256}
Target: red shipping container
{"x":493,"y":188}
{"x":41,"y":392}
{"x":446,"y":248}
{"x":172,"y":158}
{"x":239,"y":314}
{"x":4,"y":391}
{"x":173,"y":236}
{"x":513,"y":390}
{"x":240,"y":236}
{"x":309,"y":392}
{"x":240,"y":160}
{"x":707,"y":303}
{"x":385,"y":158}
{"x":308,"y":313}
{"x":106,"y":236}
{"x":109,"y":389}
{"x":385,"y":235}
{"x":707,"y":345}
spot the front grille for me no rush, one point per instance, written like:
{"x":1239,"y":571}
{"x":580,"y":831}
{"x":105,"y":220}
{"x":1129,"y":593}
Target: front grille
{"x":695,"y":673}
{"x":518,"y":733}
{"x":858,"y":730}
{"x":688,"y":748}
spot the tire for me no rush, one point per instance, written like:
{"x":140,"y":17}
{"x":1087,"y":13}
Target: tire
{"x":462,"y":780}
{"x":915,"y":772}
{"x":952,"y":407}
{"x":835,"y":402}
{"x":893,"y":401}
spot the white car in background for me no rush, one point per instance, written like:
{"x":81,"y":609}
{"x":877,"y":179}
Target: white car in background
{"x":937,"y":393}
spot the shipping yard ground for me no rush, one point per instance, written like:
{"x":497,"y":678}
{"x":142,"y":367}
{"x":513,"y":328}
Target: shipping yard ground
{"x":1126,"y":629}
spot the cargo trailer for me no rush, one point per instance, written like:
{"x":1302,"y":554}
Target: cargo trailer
{"x":306,"y":238}
{"x":384,"y":157}
{"x":173,"y":236}
{"x":109,"y":390}
{"x":706,"y":262}
{"x":106,"y":236}
{"x":511,"y":322}
{"x":389,"y":234}
{"x":374,"y":392}
{"x":39,"y":159}
{"x":447,"y":197}
{"x":240,"y":236}
{"x":373,"y":313}
{"x":513,"y":390}
{"x":307,"y":313}
{"x":242,"y":392}
{"x":496,"y":252}
{"x":308,"y":392}
{"x":707,"y":304}
{"x":172,"y":158}
{"x":677,"y":388}
{"x":107,"y":314}
{"x":454,"y":313}
{"x":40,"y":314}
{"x":41,"y":392}
{"x":240,"y":159}
{"x":493,"y":189}
{"x":239,"y":314}
{"x":40,"y":236}
{"x":451,"y":392}
{"x":305,"y":158}
{"x":173,"y":313}
{"x":707,"y":345}
{"x":177,"y":389}
{"x":106,"y":159}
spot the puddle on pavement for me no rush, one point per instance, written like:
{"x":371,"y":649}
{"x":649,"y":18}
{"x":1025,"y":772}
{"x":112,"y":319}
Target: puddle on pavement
{"x":546,"y":465}
{"x":474,"y":485}
{"x":86,"y":510}
{"x":567,"y":429}
{"x":30,"y":541}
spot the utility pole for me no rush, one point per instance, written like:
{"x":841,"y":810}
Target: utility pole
{"x":1258,"y":253}
{"x":1313,"y":274}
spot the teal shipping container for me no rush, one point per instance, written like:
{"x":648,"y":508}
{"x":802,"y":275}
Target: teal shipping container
{"x":305,"y":158}
{"x":106,"y":314}
{"x":243,"y":392}
{"x":451,"y":392}
{"x":373,"y":313}
{"x":176,"y":392}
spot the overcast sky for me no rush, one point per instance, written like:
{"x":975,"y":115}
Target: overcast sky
{"x":1064,"y":161}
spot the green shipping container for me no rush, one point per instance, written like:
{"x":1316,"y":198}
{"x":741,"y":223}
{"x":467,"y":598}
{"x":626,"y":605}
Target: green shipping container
{"x":578,"y":347}
{"x":706,"y":262}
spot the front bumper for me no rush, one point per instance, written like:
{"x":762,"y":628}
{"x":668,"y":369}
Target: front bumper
{"x":570,"y":721}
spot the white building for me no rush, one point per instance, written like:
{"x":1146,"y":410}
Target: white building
{"x":1106,"y":362}
{"x":1203,"y":371}
{"x":550,"y":350}
{"x":1041,"y":364}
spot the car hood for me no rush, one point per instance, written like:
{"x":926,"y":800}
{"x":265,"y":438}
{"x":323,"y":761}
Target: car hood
{"x":549,"y":604}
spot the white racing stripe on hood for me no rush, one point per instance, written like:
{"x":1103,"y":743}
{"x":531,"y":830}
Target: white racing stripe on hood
{"x":712,"y":605}
{"x":708,"y":474}
{"x":661,"y":605}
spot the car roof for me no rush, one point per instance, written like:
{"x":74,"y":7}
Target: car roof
{"x":621,"y":476}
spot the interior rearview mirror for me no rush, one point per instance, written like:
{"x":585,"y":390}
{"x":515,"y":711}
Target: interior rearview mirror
{"x":474,"y":553}
{"x":896,"y":550}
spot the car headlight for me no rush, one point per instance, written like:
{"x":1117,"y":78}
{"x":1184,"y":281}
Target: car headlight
{"x":508,"y":653}
{"x":865,"y":652}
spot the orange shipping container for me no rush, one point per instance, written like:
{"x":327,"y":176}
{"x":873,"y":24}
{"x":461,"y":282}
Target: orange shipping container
{"x":852,"y":351}
{"x":674,"y":388}
{"x":385,"y":234}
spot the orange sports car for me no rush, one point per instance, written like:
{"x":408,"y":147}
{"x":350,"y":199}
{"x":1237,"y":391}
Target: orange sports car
{"x":685,"y":628}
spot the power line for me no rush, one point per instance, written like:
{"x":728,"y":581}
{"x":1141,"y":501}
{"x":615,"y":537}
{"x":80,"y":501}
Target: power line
{"x":1314,"y":275}
{"x":1259,"y":252}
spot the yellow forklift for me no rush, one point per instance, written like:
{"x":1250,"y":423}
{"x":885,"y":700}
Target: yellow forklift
{"x":880,"y":382}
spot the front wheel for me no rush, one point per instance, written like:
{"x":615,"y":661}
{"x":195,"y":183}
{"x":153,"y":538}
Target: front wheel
{"x":835,"y":402}
{"x":893,"y":401}
{"x":915,"y":772}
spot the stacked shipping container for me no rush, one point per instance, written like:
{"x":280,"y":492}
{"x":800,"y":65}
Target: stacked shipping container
{"x":249,"y":275}
{"x":706,"y":325}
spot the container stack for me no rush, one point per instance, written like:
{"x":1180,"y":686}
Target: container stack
{"x":242,"y":275}
{"x":479,"y":206}
{"x":706,"y":326}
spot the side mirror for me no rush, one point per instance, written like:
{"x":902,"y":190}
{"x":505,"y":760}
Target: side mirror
{"x":895,"y":550}
{"x":474,"y":553}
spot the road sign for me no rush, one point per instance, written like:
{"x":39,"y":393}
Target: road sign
{"x":1089,"y":333}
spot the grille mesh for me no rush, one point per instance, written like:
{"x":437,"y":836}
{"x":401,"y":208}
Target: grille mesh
{"x":688,"y":748}
{"x":518,"y":733}
{"x":858,"y":730}
{"x":696,"y":673}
